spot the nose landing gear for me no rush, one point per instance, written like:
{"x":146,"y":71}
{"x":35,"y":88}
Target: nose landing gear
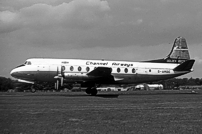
{"x":33,"y":89}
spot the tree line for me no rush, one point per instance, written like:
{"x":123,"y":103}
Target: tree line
{"x":177,"y":82}
{"x":5,"y":84}
{"x":8,"y":83}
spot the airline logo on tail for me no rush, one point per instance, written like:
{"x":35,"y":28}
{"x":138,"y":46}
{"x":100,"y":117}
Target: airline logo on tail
{"x":179,"y":52}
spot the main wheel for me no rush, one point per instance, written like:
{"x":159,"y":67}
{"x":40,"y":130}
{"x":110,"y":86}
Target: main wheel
{"x":94,"y":91}
{"x":88,"y":90}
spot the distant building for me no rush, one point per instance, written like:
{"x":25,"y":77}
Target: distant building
{"x":112,"y":89}
{"x":149,"y":87}
{"x":133,"y":88}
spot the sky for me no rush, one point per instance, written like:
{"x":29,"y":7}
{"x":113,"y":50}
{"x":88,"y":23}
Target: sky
{"x":131,"y":30}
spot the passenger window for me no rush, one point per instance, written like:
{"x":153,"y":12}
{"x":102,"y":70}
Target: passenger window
{"x":87,"y":69}
{"x":71,"y":68}
{"x":126,"y":70}
{"x":79,"y":68}
{"x":133,"y":70}
{"x":118,"y":70}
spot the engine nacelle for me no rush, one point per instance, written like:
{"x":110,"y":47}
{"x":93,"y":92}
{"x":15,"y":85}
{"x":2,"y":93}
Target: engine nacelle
{"x":76,"y":76}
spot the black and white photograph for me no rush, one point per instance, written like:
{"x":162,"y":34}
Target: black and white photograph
{"x":100,"y":66}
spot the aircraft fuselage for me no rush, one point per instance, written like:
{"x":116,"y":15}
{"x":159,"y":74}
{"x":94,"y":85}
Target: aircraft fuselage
{"x":75,"y":70}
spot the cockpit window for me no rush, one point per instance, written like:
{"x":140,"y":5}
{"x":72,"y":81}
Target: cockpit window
{"x":20,"y":66}
{"x":28,"y":63}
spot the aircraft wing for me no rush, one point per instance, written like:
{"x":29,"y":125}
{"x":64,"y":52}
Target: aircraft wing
{"x":104,"y":72}
{"x":101,"y":71}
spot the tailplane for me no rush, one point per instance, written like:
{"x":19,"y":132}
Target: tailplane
{"x":185,"y":66}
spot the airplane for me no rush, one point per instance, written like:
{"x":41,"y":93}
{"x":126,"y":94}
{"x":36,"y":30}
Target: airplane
{"x":92,"y":73}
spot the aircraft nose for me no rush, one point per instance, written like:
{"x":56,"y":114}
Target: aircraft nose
{"x":14,"y":73}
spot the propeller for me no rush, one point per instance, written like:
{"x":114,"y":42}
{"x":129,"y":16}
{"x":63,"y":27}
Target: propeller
{"x":60,"y":75}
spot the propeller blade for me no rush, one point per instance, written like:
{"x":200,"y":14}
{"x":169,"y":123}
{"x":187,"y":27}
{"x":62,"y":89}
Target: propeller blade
{"x":57,"y":69}
{"x":62,"y":70}
{"x":62,"y":79}
{"x":57,"y":84}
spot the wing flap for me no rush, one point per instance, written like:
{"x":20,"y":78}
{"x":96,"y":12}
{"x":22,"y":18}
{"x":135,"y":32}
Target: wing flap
{"x":104,"y":72}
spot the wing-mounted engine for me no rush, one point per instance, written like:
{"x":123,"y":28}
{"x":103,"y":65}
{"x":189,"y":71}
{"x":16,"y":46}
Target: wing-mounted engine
{"x":77,"y":75}
{"x":67,"y":72}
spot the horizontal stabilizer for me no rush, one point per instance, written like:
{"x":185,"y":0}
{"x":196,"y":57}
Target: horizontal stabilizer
{"x":185,"y":66}
{"x":100,"y":71}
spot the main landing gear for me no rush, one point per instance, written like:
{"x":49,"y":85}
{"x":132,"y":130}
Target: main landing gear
{"x":92,"y":91}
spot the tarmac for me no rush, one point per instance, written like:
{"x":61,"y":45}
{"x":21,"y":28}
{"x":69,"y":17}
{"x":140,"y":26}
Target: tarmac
{"x":108,"y":112}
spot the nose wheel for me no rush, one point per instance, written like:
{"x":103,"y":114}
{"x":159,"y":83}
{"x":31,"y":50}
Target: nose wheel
{"x":33,"y":89}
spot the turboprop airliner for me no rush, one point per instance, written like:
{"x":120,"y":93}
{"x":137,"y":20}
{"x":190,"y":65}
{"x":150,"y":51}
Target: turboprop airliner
{"x":93,"y":73}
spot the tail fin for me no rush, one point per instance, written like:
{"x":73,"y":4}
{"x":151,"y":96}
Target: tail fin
{"x":179,"y":52}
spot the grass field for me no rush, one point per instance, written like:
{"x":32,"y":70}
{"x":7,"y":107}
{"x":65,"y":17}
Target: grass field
{"x":135,"y":112}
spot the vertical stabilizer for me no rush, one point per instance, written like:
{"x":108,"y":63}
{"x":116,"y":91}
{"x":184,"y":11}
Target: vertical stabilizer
{"x":179,"y":52}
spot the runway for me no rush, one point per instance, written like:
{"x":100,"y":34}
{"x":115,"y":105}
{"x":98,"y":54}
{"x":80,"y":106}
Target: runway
{"x":118,"y":113}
